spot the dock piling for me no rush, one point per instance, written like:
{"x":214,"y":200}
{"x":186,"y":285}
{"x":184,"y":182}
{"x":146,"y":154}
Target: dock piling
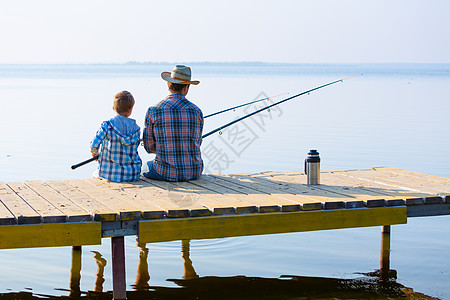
{"x":385,"y":252}
{"x":118,"y":268}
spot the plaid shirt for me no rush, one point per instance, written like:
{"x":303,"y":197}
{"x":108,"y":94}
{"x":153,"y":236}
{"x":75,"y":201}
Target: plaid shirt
{"x":173,"y":131}
{"x":119,"y":159}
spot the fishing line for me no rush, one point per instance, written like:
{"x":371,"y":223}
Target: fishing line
{"x":274,"y":104}
{"x":231,"y":108}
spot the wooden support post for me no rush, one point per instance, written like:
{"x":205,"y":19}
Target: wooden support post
{"x":118,"y":266}
{"x":75,"y":272}
{"x":385,"y":251}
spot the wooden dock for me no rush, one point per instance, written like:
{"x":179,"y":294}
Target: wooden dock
{"x":82,"y":212}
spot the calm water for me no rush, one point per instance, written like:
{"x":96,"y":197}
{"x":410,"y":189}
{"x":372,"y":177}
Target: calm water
{"x":393,"y":115}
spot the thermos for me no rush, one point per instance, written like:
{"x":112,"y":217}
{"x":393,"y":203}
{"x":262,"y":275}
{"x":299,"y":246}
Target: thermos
{"x":312,"y":168}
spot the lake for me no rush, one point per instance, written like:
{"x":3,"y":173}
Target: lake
{"x":393,"y":115}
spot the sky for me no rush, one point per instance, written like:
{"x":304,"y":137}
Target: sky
{"x":289,"y":31}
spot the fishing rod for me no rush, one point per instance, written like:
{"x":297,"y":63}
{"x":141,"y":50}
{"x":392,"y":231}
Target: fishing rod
{"x":84,"y":162}
{"x":272,"y":105}
{"x":248,"y":103}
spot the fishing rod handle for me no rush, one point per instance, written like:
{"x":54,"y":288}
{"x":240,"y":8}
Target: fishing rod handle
{"x":84,"y":162}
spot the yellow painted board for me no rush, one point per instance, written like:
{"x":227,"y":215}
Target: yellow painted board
{"x":73,"y":212}
{"x":270,"y":223}
{"x":23,"y":213}
{"x":128,"y":192}
{"x":50,"y":235}
{"x":95,"y":208}
{"x":49,"y":213}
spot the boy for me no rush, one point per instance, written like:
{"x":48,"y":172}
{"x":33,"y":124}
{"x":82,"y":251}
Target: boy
{"x":119,"y":139}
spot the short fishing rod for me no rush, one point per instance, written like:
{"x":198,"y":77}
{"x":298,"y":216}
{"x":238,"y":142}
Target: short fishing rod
{"x":272,"y":105}
{"x":84,"y":162}
{"x":248,"y":103}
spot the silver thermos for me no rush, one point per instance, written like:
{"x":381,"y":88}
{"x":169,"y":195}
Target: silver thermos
{"x":312,"y":168}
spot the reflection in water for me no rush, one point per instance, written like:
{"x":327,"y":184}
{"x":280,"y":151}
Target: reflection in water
{"x":188,"y":269}
{"x":99,"y":279}
{"x":142,"y":274}
{"x":373,"y":285}
{"x":75,"y":272}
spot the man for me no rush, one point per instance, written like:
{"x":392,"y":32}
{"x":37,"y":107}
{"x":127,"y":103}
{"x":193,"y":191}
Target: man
{"x":173,"y":131}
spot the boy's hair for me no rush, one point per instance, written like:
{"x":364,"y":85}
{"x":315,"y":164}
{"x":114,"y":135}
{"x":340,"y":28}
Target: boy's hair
{"x":176,"y":87}
{"x":123,"y":101}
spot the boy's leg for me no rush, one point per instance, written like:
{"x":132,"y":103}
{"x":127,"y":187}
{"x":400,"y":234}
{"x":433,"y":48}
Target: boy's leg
{"x":152,"y":174}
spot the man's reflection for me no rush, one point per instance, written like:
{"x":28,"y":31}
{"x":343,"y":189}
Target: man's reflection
{"x":142,"y":275}
{"x":188,"y":269}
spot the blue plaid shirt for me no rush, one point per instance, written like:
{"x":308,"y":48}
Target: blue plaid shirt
{"x":173,"y":131}
{"x":119,"y":139}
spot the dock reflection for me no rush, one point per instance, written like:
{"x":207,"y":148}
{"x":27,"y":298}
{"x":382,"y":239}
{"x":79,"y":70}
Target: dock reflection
{"x":371,"y":285}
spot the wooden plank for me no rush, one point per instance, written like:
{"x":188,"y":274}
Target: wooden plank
{"x":432,"y":179}
{"x":279,"y":203}
{"x":97,"y":209}
{"x":236,"y":199}
{"x":329,"y":200}
{"x":288,"y":202}
{"x":148,"y":210}
{"x":182,"y":198}
{"x":111,"y":199}
{"x":398,"y":183}
{"x":6,"y":217}
{"x":49,"y":213}
{"x":204,"y":197}
{"x":264,"y":202}
{"x":255,"y":224}
{"x":156,"y":196}
{"x":50,"y":235}
{"x":394,"y":196}
{"x":73,"y":212}
{"x":284,"y":191}
{"x":23,"y":213}
{"x":369,"y":198}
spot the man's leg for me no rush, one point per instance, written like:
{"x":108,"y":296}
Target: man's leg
{"x":152,"y":174}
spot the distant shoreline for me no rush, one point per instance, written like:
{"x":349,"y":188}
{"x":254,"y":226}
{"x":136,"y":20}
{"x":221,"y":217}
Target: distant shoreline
{"x":224,"y":63}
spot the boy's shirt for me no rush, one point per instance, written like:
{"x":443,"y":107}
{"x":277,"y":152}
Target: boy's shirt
{"x":119,"y":159}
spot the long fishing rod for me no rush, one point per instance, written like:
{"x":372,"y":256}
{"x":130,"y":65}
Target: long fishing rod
{"x":272,"y":105}
{"x":248,"y":103}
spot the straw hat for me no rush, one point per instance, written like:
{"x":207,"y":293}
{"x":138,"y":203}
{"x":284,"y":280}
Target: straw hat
{"x":180,"y":74}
